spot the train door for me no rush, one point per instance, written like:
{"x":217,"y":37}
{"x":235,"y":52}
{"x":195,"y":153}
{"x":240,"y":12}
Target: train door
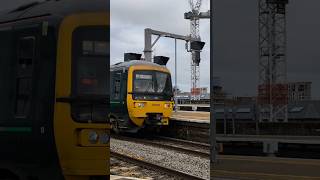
{"x":118,"y":94}
{"x":25,"y":100}
{"x":118,"y":99}
{"x":34,"y":98}
{"x":7,"y":66}
{"x":26,"y":41}
{"x":124,"y":82}
{"x":13,"y":131}
{"x":115,"y":91}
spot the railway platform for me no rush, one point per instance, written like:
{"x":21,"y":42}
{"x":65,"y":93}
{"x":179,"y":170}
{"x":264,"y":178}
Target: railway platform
{"x":252,"y":167}
{"x":194,"y":126}
{"x":191,"y":116}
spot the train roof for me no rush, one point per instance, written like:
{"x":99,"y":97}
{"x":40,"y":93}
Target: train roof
{"x":134,"y":63}
{"x":55,"y":8}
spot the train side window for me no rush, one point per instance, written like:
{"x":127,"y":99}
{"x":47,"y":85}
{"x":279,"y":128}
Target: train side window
{"x":25,"y":58}
{"x":117,"y":89}
{"x":116,"y":85}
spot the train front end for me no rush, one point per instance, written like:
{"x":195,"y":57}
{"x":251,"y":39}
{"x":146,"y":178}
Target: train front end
{"x":82,"y":132}
{"x":150,"y":95}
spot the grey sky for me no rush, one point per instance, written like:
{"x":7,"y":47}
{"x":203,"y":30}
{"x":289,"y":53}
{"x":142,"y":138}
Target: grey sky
{"x":129,"y":18}
{"x":236,"y":42}
{"x":235,"y":30}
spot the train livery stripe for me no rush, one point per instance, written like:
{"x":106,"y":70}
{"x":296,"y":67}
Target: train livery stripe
{"x":15,"y":129}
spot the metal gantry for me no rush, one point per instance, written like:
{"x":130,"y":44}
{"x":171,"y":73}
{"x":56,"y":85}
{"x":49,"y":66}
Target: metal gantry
{"x":273,"y":87}
{"x":192,"y":45}
{"x":149,"y":44}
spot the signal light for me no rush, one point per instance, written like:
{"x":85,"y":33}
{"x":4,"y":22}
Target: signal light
{"x":195,"y":48}
{"x":197,"y":45}
{"x":188,"y":15}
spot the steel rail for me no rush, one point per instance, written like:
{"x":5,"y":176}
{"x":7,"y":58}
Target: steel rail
{"x":169,"y":146}
{"x":182,"y":141}
{"x":155,"y":167}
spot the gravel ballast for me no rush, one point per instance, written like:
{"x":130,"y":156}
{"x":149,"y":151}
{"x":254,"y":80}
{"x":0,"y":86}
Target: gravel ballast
{"x":126,"y":169}
{"x":186,"y":163}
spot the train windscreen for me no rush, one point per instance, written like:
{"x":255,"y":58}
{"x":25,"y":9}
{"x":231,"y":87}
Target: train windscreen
{"x":152,"y":85}
{"x":89,"y":71}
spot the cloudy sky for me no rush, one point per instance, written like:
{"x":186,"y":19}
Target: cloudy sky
{"x":235,"y":38}
{"x":129,"y":18}
{"x":236,"y":44}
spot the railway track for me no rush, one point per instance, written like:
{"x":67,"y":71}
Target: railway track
{"x":238,"y":167}
{"x":188,"y":147}
{"x":146,"y":164}
{"x":181,"y":141}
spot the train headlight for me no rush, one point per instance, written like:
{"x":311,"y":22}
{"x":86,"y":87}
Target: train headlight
{"x":139,"y":104}
{"x":167,"y":105}
{"x":104,"y":138}
{"x":93,"y":137}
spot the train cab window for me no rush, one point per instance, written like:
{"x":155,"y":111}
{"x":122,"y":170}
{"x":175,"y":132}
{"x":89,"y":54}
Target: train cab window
{"x":94,"y":48}
{"x":144,"y":82}
{"x":26,"y":54}
{"x":152,"y":85}
{"x":90,"y":59}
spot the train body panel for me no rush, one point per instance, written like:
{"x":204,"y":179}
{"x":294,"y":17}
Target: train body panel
{"x":38,"y":136}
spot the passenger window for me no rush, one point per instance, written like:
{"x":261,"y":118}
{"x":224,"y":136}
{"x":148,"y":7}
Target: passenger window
{"x":26,"y":51}
{"x":117,"y":89}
